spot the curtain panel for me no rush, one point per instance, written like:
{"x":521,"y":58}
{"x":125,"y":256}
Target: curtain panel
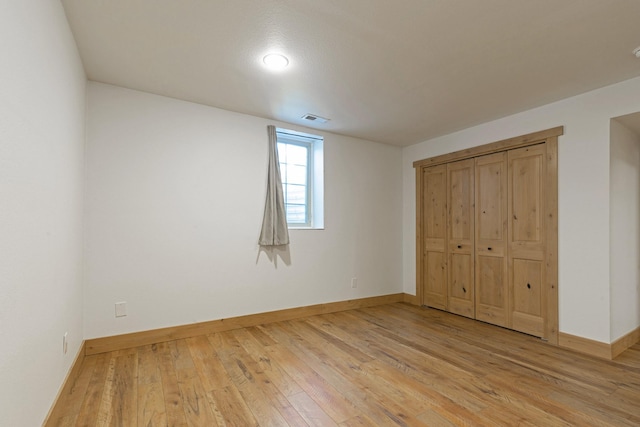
{"x":274,"y":223}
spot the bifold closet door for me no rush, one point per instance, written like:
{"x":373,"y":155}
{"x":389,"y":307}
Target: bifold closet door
{"x":526,"y":248}
{"x":460,"y":237}
{"x":492,"y":280}
{"x":434,"y":233}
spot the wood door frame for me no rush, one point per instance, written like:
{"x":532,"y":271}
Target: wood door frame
{"x":549,"y":137}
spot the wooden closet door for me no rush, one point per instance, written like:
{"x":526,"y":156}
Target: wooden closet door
{"x":492,"y":295}
{"x":460,"y":248}
{"x":434,"y":224}
{"x":526,"y":195}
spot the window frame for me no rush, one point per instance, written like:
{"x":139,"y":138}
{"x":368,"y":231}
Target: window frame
{"x":314,"y":200}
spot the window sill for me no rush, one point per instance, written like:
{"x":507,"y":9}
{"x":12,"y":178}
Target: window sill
{"x":306,"y":228}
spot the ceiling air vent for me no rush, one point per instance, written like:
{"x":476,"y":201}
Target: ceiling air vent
{"x":314,"y":118}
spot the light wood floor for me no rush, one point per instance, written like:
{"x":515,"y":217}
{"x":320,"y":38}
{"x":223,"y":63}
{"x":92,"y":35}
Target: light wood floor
{"x":395,"y":365}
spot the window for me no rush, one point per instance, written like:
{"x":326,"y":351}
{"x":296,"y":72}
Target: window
{"x":301,"y":170}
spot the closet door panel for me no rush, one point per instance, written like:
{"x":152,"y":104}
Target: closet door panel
{"x":491,"y":196}
{"x":461,"y":284}
{"x":490,"y":298}
{"x":460,"y":231}
{"x":434,"y":210}
{"x":526,"y":181}
{"x":436,"y":280}
{"x":492,"y":294}
{"x":527,"y":315}
{"x":526,"y":195}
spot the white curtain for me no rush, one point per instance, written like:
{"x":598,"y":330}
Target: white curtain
{"x":274,"y":224}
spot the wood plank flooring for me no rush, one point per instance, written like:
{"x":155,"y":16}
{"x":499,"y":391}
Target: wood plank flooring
{"x":390,"y":365}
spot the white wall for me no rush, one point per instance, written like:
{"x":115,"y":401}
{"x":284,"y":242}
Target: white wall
{"x":625,"y":230}
{"x":175,"y":196}
{"x":42,"y":100}
{"x":583,"y":196}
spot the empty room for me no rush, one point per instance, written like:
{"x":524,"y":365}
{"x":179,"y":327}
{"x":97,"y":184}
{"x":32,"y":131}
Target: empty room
{"x":319,"y":213}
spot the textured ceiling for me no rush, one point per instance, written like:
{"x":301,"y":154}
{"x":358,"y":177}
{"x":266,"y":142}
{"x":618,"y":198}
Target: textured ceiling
{"x":397,"y":72}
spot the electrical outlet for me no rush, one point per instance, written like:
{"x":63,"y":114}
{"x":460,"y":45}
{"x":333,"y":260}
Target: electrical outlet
{"x":121,"y":309}
{"x":65,"y":341}
{"x":354,"y":282}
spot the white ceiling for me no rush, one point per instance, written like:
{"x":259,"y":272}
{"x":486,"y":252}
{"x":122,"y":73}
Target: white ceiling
{"x":397,"y":72}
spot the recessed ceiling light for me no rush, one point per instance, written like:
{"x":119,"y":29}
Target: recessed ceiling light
{"x":636,"y":52}
{"x":275,"y":61}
